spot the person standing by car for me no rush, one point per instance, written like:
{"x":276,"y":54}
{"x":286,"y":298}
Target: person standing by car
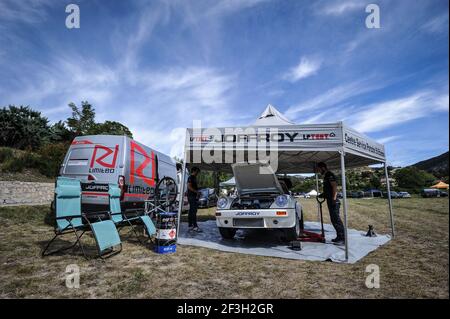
{"x":333,"y":203}
{"x":193,"y":194}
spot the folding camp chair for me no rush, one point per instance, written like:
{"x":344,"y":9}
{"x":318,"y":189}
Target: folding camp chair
{"x":121,"y":219}
{"x":69,"y":219}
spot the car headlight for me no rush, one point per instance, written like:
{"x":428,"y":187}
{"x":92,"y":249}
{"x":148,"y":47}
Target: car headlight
{"x":222,"y":203}
{"x":281,"y":200}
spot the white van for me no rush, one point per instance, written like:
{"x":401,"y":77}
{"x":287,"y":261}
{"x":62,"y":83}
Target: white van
{"x":97,"y":160}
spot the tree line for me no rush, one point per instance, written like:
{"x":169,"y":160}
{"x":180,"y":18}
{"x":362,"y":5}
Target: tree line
{"x":43,"y":144}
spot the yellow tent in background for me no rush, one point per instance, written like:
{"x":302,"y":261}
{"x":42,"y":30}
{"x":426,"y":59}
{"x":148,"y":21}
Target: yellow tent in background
{"x":440,"y":185}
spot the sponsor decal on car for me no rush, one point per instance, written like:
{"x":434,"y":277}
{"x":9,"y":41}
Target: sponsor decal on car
{"x":247,"y":214}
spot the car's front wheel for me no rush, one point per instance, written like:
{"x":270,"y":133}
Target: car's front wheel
{"x":227,"y":233}
{"x":293,"y":233}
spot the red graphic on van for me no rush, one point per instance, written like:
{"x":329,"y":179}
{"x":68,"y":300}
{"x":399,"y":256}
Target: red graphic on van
{"x":82,"y":142}
{"x":139,"y":171}
{"x":103,"y":156}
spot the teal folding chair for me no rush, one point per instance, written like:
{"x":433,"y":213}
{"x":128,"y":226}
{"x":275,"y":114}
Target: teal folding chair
{"x":69,"y":220}
{"x":121,"y":220}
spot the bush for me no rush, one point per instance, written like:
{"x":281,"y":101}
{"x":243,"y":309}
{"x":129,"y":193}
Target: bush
{"x":412,"y":179}
{"x":14,"y":165}
{"x":31,"y":160}
{"x":23,"y":127}
{"x":5,"y":154}
{"x":51,"y":157}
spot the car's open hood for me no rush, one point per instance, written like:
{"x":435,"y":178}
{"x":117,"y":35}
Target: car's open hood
{"x":255,"y":178}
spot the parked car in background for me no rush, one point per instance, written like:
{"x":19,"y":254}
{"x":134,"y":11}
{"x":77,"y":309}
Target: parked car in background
{"x":357,"y":194}
{"x":208,"y":198}
{"x":393,"y":194}
{"x":185,"y":207}
{"x":429,"y":192}
{"x":373,"y":193}
{"x":444,"y":194}
{"x":302,"y":195}
{"x":404,"y":195}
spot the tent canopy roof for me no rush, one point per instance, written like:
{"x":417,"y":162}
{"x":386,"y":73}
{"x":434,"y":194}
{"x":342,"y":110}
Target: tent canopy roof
{"x":440,"y":185}
{"x":297,"y":148}
{"x":272,"y":117}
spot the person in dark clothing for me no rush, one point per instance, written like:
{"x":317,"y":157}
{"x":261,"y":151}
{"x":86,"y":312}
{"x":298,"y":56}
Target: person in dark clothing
{"x":192,"y":195}
{"x":333,"y":203}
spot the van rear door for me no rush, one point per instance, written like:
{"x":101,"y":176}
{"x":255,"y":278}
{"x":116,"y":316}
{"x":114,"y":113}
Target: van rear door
{"x":94,"y":160}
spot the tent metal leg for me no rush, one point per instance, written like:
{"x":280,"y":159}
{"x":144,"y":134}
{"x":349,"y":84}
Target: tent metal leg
{"x":388,"y":187}
{"x":181,"y":200}
{"x":317,"y":190}
{"x":344,"y":197}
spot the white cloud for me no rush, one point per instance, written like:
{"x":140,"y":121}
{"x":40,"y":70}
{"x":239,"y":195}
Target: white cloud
{"x":336,"y":95}
{"x":305,"y":68}
{"x":336,"y":8}
{"x":31,"y":11}
{"x":437,"y":24}
{"x":229,"y":6}
{"x":150,"y":17}
{"x":379,"y":116}
{"x":64,"y":80}
{"x":388,"y":139}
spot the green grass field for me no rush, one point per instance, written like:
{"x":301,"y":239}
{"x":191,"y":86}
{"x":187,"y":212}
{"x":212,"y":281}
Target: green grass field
{"x":413,"y":265}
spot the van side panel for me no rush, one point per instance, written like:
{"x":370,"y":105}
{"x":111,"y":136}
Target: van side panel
{"x":140,"y":172}
{"x":166,"y":166}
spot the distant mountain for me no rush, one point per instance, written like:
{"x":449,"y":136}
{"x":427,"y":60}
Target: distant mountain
{"x":438,"y":166}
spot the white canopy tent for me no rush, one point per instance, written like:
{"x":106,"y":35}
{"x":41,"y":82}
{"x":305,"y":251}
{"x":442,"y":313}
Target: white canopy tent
{"x":229,"y":183}
{"x":313,"y":192}
{"x":298,"y":148}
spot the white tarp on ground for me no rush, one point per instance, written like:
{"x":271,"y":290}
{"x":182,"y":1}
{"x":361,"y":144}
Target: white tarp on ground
{"x":267,"y":243}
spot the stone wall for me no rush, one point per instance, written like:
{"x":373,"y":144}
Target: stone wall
{"x":26,"y":193}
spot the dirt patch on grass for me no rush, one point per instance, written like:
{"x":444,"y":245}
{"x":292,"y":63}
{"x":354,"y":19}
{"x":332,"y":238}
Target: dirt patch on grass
{"x":413,"y":265}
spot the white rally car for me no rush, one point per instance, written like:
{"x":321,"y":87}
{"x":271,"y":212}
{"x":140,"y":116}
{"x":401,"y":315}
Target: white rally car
{"x":263,"y":201}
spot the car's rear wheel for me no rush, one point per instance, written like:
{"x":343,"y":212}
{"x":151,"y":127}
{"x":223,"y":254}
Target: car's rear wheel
{"x":227,"y":233}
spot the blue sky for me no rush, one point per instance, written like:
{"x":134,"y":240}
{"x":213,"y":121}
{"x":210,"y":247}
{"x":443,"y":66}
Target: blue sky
{"x":156,"y":66}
